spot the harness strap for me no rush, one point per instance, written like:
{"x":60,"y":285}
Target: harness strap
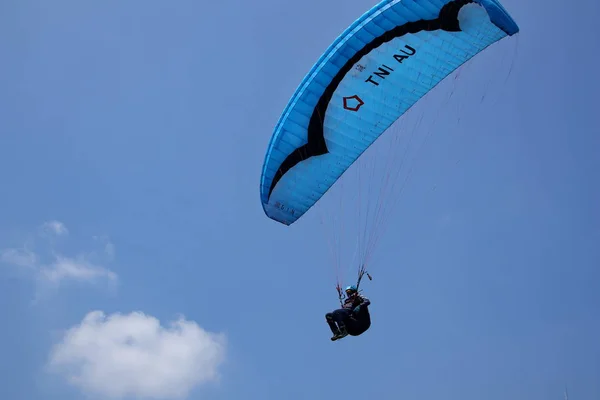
{"x":361,"y":273}
{"x":340,"y":294}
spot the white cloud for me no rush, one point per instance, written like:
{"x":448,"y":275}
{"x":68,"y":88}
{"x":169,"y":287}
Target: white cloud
{"x":120,"y":355}
{"x":55,"y":227}
{"x":50,"y":266}
{"x":19,"y":257}
{"x":75,"y":269}
{"x":109,"y":249}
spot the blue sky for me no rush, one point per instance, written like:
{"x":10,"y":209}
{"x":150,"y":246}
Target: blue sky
{"x":140,"y":128}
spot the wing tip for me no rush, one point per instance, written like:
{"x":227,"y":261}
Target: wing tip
{"x":500,"y":17}
{"x":277,"y":215}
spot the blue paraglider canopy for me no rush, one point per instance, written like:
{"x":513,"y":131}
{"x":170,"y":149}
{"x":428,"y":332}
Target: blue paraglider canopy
{"x":368,"y":78}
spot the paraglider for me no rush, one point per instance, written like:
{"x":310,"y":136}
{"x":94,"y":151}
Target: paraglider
{"x":353,"y":318}
{"x":371,"y":75}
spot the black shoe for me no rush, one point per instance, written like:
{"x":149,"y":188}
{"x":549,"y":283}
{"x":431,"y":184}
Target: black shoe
{"x":340,"y":334}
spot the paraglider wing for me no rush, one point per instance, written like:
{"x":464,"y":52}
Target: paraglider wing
{"x":371,"y":75}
